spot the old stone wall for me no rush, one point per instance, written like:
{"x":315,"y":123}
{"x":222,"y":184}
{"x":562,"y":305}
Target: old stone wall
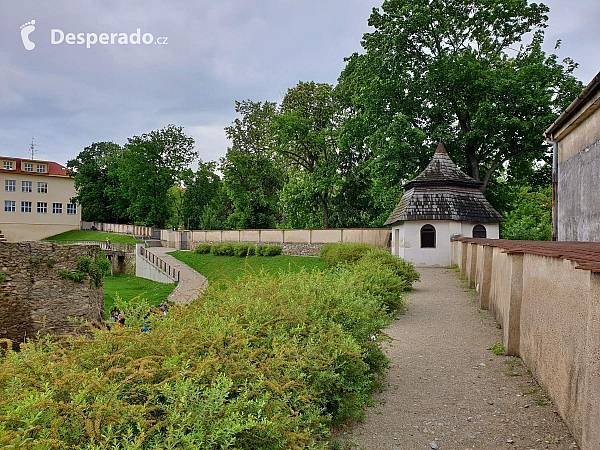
{"x":34,"y":297}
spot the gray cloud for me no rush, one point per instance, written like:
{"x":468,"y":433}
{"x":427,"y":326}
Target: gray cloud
{"x":68,"y":96}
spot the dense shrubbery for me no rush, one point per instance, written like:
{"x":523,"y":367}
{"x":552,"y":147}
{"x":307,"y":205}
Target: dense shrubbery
{"x":270,"y":362}
{"x":362,"y":256}
{"x":238,"y":249}
{"x":268,"y":250}
{"x":336,"y":254}
{"x":243,"y":249}
{"x":203,"y":249}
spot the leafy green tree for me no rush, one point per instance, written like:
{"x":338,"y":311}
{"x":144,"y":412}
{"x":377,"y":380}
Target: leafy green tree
{"x":252,"y":132}
{"x":251,"y":181}
{"x":204,"y":204}
{"x":305,"y":135}
{"x":251,"y":178}
{"x":454,"y":70}
{"x":148,"y":167}
{"x":530,"y":215}
{"x":91,"y":173}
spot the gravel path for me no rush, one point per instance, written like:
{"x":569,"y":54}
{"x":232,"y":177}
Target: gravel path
{"x":191,"y":283}
{"x":446,"y":390}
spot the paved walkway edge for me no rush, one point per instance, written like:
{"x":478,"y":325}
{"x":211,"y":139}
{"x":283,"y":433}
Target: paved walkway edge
{"x":191,"y":283}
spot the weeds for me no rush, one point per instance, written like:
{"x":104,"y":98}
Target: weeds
{"x":498,"y":348}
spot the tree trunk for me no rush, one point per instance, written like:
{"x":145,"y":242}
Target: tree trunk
{"x":325,"y":211}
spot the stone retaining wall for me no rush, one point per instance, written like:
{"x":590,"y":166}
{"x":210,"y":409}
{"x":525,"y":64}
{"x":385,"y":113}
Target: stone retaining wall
{"x":35,"y":298}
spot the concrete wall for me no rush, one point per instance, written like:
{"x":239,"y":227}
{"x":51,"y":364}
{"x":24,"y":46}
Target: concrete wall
{"x":577,"y":202}
{"x":34,"y":297}
{"x":150,"y":268}
{"x":120,"y":228}
{"x":550,"y":316}
{"x":376,"y":236}
{"x":554,"y":316}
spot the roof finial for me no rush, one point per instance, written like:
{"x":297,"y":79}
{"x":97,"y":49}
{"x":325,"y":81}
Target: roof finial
{"x":440,"y":148}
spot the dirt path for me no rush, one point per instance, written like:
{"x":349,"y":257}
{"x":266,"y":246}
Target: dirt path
{"x":191,"y":283}
{"x":446,"y":390}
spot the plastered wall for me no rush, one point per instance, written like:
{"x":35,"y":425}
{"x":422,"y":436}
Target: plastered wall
{"x":550,"y":316}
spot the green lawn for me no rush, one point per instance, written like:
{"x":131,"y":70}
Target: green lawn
{"x":128,"y":287}
{"x":82,"y":236}
{"x":226,"y":268}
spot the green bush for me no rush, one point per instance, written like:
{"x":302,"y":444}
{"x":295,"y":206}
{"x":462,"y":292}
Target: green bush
{"x":366,"y":255}
{"x":243,"y":249}
{"x":222,"y":249}
{"x":203,"y":248}
{"x":343,"y":253}
{"x":268,"y":250}
{"x":270,"y":362}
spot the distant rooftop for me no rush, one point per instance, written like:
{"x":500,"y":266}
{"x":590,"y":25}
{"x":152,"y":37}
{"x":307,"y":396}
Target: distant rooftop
{"x":54,"y":169}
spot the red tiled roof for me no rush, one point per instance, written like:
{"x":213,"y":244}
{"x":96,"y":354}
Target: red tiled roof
{"x":586,"y":254}
{"x":54,"y":169}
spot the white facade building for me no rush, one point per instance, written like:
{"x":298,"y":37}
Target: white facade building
{"x":441,"y":203}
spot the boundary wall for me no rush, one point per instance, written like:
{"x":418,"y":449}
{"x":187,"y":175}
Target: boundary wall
{"x":188,"y":239}
{"x":546,"y":297}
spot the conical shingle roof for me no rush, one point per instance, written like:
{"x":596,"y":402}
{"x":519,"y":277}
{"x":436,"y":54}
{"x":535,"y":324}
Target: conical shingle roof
{"x":444,"y":192}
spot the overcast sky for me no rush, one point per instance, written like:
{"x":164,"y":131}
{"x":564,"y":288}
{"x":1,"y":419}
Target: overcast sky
{"x":69,"y":96}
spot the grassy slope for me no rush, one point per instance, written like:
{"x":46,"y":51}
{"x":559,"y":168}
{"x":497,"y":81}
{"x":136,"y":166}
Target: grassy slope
{"x":79,"y":235}
{"x":128,"y":287}
{"x":225,"y":268}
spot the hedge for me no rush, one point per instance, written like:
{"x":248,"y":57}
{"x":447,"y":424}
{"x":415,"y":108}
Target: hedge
{"x":238,"y":249}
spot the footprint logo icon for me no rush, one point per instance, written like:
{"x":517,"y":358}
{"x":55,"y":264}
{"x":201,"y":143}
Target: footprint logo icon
{"x":26,"y":30}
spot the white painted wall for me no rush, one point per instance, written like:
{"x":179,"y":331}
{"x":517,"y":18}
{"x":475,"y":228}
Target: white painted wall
{"x":406,"y":240}
{"x":144,"y":269}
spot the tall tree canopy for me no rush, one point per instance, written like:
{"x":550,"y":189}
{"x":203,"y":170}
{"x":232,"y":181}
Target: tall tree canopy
{"x":204,"y":204}
{"x":149,"y":166}
{"x":305,"y":135}
{"x":455,"y":70}
{"x":91,"y":173}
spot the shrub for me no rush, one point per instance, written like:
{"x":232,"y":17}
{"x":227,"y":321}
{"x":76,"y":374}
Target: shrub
{"x":268,"y":250}
{"x":367,"y":255}
{"x":203,"y":248}
{"x":243,"y":249}
{"x":343,"y":253}
{"x":270,"y":362}
{"x":222,"y":249}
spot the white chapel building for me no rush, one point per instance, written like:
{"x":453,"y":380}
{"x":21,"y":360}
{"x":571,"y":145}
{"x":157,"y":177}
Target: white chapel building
{"x":441,"y":203}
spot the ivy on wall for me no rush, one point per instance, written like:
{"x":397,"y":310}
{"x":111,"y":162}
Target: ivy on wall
{"x":94,"y":268}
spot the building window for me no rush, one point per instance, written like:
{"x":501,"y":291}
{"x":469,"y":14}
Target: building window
{"x":71,"y":208}
{"x":41,"y":168}
{"x":28,"y":167}
{"x":10,"y":185}
{"x":42,"y":207}
{"x":8,"y":165}
{"x":427,"y":236}
{"x":26,"y":186}
{"x":9,"y":205}
{"x":479,"y":232}
{"x":42,"y":188}
{"x":56,"y":208}
{"x":25,"y":206}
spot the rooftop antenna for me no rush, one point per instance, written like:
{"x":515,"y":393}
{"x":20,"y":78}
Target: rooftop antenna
{"x":32,"y":147}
